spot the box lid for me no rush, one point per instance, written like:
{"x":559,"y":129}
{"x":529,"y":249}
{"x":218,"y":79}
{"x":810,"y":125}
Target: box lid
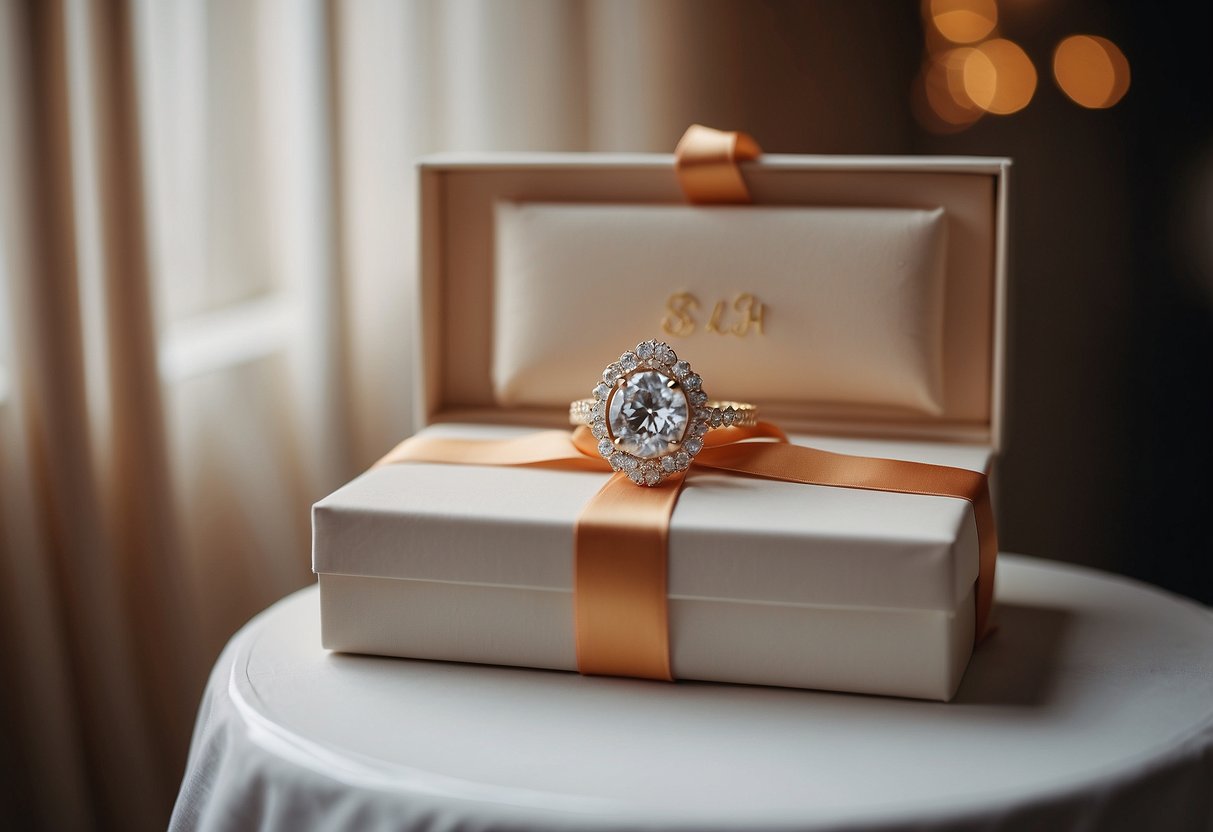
{"x":458,"y":198}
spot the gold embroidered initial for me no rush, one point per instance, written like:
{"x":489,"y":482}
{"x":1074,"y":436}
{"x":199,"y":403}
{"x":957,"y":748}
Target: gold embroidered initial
{"x":747,"y":310}
{"x":679,"y":322}
{"x":753,"y":312}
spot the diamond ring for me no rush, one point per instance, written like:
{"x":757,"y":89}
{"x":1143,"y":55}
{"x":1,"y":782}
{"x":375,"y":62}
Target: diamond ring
{"x":650,"y":413}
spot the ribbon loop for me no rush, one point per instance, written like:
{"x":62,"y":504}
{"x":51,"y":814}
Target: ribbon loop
{"x":706,"y":163}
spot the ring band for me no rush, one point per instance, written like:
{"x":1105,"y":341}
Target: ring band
{"x":722,"y":414}
{"x":649,"y":414}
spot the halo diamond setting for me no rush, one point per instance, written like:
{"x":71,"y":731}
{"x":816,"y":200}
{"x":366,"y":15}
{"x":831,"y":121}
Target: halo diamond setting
{"x":648,"y":414}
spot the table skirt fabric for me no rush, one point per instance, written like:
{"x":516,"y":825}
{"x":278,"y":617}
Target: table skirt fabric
{"x":1091,"y":707}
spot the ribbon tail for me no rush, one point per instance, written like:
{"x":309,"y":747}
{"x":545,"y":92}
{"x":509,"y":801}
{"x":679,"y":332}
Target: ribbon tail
{"x":546,"y":449}
{"x":620,"y":580}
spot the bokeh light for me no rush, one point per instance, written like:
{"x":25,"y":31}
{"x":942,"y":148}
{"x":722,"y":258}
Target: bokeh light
{"x":999,"y":77}
{"x":1091,"y":70}
{"x":964,"y":21}
{"x":940,"y":102}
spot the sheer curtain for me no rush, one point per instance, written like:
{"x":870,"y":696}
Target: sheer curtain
{"x":206,"y":272}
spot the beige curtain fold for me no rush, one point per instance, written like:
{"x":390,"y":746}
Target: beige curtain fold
{"x":84,"y":404}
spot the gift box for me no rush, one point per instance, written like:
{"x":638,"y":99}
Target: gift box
{"x":857,"y":302}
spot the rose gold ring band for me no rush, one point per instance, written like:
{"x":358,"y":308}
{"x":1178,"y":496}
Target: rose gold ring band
{"x":721,"y":414}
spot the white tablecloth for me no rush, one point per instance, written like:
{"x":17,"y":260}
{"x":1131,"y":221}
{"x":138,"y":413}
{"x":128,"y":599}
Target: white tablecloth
{"x":1091,"y":708}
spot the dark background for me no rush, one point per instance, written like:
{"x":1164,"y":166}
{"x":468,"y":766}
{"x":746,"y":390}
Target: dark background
{"x":1109,"y":396}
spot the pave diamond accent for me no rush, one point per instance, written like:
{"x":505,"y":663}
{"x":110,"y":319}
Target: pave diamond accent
{"x":648,"y":414}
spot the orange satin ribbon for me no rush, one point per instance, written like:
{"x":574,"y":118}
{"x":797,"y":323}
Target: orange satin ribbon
{"x":706,"y":163}
{"x":620,"y":558}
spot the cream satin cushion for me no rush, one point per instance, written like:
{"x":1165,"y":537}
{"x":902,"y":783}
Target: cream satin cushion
{"x":769,"y":303}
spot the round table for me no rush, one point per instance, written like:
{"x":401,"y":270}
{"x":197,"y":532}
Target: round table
{"x":1091,"y":707}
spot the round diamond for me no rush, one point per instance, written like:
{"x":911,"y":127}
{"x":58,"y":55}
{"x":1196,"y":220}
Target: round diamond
{"x":647,"y":413}
{"x":693,"y":446}
{"x":628,"y":361}
{"x":599,"y":429}
{"x":644,"y":351}
{"x":692,"y":381}
{"x":601,"y":391}
{"x":636,"y":476}
{"x":681,"y":368}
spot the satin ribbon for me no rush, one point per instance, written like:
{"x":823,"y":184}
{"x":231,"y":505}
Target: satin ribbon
{"x":705,"y":161}
{"x":620,"y":597}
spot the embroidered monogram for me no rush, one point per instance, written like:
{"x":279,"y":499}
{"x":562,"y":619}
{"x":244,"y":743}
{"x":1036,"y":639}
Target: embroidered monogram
{"x":744,"y":314}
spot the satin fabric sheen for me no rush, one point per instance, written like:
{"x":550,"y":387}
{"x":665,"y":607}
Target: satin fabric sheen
{"x":857,"y":295}
{"x":620,"y":573}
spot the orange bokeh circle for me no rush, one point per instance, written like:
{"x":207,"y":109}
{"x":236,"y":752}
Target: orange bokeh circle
{"x":999,"y":77}
{"x":1091,"y":70}
{"x":964,"y":21}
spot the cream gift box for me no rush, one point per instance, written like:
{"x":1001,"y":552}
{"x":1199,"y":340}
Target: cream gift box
{"x":769,"y":582}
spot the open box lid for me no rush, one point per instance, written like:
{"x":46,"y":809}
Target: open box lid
{"x":459,"y":195}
